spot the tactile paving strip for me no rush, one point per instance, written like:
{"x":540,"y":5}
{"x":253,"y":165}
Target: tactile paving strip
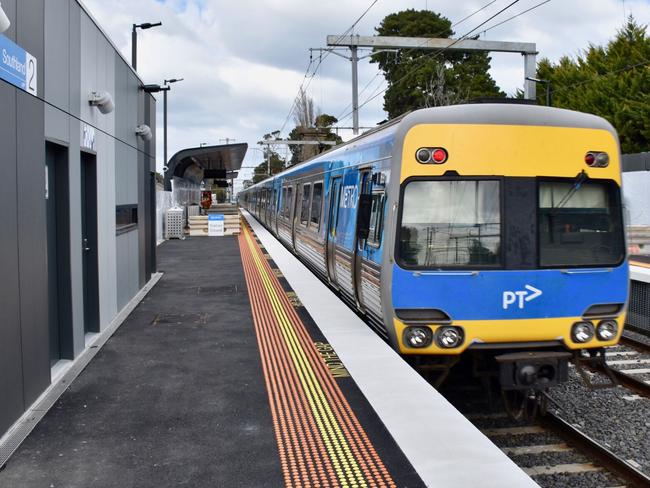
{"x":320,"y":440}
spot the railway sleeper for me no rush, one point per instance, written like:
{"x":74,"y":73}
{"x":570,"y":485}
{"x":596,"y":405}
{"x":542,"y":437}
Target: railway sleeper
{"x":595,"y":361}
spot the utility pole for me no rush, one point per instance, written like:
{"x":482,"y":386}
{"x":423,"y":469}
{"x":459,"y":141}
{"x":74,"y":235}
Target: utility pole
{"x":354,"y":61}
{"x":227,"y":140}
{"x":354,"y":58}
{"x":548,"y":88}
{"x":165,"y":88}
{"x":527,"y":49}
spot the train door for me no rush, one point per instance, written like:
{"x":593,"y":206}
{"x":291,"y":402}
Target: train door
{"x":295,"y":216}
{"x":293,"y":197}
{"x":333,"y":217}
{"x":361,"y":234}
{"x":272,"y":207}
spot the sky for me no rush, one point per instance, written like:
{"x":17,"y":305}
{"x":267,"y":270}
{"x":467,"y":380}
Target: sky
{"x":243,"y":61}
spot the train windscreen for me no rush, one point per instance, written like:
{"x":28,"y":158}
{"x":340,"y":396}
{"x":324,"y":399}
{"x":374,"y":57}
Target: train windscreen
{"x":580,"y":224}
{"x":450,"y":223}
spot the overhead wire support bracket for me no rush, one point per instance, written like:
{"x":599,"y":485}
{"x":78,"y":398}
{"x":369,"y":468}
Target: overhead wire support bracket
{"x":354,"y":42}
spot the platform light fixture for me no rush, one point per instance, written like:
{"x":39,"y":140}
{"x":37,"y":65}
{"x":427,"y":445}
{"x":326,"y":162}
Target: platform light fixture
{"x":103,"y":101}
{"x":134,"y":40}
{"x":5,"y":23}
{"x":144,"y":132}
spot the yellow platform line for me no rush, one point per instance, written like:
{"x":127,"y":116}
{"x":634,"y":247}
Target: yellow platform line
{"x":343,"y":460}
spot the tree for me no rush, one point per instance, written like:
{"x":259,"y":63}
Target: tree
{"x":261,"y":171}
{"x":304,"y":113}
{"x":419,"y":78}
{"x":311,"y":125}
{"x":611,"y":81}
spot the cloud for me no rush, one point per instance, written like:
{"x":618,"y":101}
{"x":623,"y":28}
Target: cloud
{"x":243,"y":61}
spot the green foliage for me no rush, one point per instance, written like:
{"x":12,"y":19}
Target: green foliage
{"x":420,"y":78}
{"x":321,"y":132}
{"x":261,"y":171}
{"x":221,"y":194}
{"x":611,"y":81}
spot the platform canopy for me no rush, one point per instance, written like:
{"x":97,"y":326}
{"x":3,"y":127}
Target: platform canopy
{"x":207,"y":162}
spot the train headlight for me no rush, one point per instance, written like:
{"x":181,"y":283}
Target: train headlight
{"x":449,"y":337}
{"x":418,"y":337}
{"x":582,"y":332}
{"x":607,"y":330}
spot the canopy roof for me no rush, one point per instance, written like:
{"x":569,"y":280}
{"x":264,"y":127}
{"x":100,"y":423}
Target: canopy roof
{"x":199,"y":163}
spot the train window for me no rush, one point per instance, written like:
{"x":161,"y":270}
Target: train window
{"x":580,"y":224}
{"x":288,"y":202}
{"x":316,"y":204}
{"x":451,"y":223}
{"x":376,"y":219}
{"x":304,"y":206}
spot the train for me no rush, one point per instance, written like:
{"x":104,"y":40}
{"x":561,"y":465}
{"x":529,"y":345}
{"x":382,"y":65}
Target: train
{"x":491,"y":231}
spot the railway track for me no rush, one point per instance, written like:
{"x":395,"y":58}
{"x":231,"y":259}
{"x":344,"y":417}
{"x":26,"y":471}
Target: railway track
{"x":630,"y":364}
{"x":557,"y":454}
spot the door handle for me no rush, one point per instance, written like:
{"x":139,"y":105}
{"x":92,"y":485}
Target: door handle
{"x":85,"y":245}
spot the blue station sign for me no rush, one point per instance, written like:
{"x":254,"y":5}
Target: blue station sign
{"x":17,"y":66}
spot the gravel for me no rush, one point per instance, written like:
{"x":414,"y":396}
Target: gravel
{"x":614,"y":417}
{"x":549,"y":459}
{"x":583,"y":480}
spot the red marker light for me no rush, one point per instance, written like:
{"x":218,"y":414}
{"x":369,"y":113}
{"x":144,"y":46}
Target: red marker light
{"x":590,"y":159}
{"x":439,"y":156}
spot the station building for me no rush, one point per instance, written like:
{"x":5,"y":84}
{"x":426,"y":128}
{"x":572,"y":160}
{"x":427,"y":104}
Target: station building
{"x":77,"y":154}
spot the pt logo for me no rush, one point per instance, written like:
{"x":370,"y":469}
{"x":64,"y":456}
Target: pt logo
{"x":520,"y":297}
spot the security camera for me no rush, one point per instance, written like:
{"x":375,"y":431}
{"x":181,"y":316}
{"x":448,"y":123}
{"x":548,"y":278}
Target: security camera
{"x":144,"y":131}
{"x":103,"y":101}
{"x":4,"y":20}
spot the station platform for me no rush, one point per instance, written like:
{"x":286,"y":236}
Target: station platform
{"x":240,"y":368}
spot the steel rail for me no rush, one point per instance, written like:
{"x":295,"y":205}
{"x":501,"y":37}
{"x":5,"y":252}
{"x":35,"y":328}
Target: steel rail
{"x":606,"y":458}
{"x":635,"y":343}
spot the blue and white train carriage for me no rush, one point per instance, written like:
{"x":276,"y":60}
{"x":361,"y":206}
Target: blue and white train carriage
{"x":492,"y":229}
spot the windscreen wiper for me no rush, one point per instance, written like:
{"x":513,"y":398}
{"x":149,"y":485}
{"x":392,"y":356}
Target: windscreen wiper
{"x":577,"y":184}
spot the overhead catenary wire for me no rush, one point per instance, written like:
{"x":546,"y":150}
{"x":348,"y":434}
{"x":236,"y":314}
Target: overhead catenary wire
{"x":308,"y":78}
{"x":514,"y":17}
{"x":379,"y":73}
{"x":437,"y":53}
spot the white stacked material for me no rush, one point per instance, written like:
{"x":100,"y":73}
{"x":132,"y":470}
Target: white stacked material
{"x":174,"y":223}
{"x":199,"y":225}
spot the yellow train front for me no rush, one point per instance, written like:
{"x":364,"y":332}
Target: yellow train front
{"x":508,"y":236}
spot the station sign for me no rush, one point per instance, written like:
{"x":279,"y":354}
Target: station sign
{"x":17,"y":66}
{"x":216,"y":225}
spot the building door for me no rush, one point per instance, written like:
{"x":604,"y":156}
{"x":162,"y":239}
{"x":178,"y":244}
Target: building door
{"x":89,"y":241}
{"x":333,"y":214}
{"x":57,"y":202}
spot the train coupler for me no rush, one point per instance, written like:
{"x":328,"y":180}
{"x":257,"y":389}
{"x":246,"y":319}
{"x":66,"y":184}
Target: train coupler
{"x":536,"y":370}
{"x":594,"y":361}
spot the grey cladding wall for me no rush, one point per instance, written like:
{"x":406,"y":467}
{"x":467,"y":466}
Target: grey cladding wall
{"x":74,"y":58}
